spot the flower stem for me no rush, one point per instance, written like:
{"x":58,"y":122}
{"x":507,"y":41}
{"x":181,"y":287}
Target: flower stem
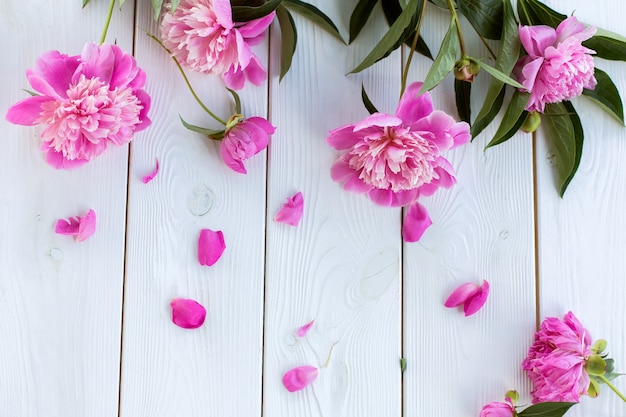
{"x":610,"y":385}
{"x":193,"y":92}
{"x":107,"y":22}
{"x":458,"y":27}
{"x":405,"y":73}
{"x":329,"y":355}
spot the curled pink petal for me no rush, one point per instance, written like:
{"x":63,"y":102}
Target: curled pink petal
{"x":80,"y":227}
{"x":471,"y":295}
{"x":476,"y":302}
{"x":147,"y":178}
{"x":298,"y":378}
{"x":187,"y":313}
{"x":302,"y":331}
{"x":210,"y":246}
{"x":416,"y":222}
{"x":291,"y":212}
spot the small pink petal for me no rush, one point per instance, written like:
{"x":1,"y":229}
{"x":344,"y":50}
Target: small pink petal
{"x":416,"y":222}
{"x":291,"y":212}
{"x":302,"y":331}
{"x":298,"y":378}
{"x":475,"y":303}
{"x":460,"y":295}
{"x":187,"y":313}
{"x":146,"y":179}
{"x":210,"y":246}
{"x":80,"y":227}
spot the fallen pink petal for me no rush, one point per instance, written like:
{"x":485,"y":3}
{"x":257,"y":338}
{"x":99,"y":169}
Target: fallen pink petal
{"x":210,"y":246}
{"x":291,"y":212}
{"x":302,"y":331}
{"x":187,"y":313}
{"x":147,"y":178}
{"x":416,"y":222}
{"x":80,"y":227}
{"x":472,"y":296}
{"x":299,"y":378}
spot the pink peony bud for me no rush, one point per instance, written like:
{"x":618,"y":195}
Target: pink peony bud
{"x":244,"y":139}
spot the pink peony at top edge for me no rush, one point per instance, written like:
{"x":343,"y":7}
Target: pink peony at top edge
{"x":291,"y":212}
{"x":556,"y":360}
{"x":244,"y":140}
{"x":498,"y":409}
{"x":86,"y":103}
{"x":298,"y":378}
{"x":187,"y":313}
{"x":82,"y":228}
{"x":202,"y":36}
{"x":558,"y":67}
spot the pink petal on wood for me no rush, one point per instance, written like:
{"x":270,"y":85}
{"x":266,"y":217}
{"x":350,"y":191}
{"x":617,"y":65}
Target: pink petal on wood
{"x":476,"y":302}
{"x":298,"y":378}
{"x":302,"y":331}
{"x":210,"y":246}
{"x":416,"y":222}
{"x":291,"y":212}
{"x":187,"y":313}
{"x":80,"y":227}
{"x":146,"y":179}
{"x":461,"y":294}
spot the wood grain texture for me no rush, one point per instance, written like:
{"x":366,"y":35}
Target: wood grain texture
{"x":341,"y":265}
{"x":60,"y":301}
{"x":581,"y":236}
{"x":482,"y":229}
{"x":216,"y":369}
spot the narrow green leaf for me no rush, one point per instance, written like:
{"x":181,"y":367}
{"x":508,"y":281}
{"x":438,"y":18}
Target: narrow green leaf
{"x":121,"y":3}
{"x":533,"y":12}
{"x":390,"y":38}
{"x":237,"y":100}
{"x":444,"y":63}
{"x":513,"y":118}
{"x":508,"y":55}
{"x":607,"y":47}
{"x":484,"y":15}
{"x":550,"y":409}
{"x":175,"y":4}
{"x":367,"y":102}
{"x":248,"y":13}
{"x":315,"y":15}
{"x":440,"y":3}
{"x":360,"y":14}
{"x":565,"y":135}
{"x":202,"y":130}
{"x":392,"y":10}
{"x":85,"y":2}
{"x":288,"y":39}
{"x":32,"y":93}
{"x":402,"y":365}
{"x":497,"y":74}
{"x":606,"y":96}
{"x":462,"y":93}
{"x":156,"y":7}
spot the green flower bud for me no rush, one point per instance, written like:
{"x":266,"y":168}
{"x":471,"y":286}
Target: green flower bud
{"x":512,"y":395}
{"x":466,"y":70}
{"x":532,"y":122}
{"x":595,"y":365}
{"x":599,"y":346}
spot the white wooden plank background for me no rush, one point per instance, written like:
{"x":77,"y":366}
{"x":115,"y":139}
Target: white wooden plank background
{"x":86,"y":327}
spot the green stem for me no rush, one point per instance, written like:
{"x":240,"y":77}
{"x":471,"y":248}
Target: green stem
{"x":193,"y":92}
{"x":405,"y":73}
{"x":458,"y":27}
{"x":610,"y":385}
{"x":107,"y":22}
{"x":329,"y":355}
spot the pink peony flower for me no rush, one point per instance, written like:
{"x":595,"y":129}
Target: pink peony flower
{"x":556,"y":360}
{"x":245,"y":139}
{"x":397,"y":159}
{"x":291,"y":212}
{"x":557,"y":66}
{"x":82,"y":228}
{"x":472,"y":296}
{"x":86,"y":103}
{"x":299,"y":378}
{"x":202,"y":36}
{"x":187,"y":313}
{"x":210,"y":246}
{"x":498,"y":409}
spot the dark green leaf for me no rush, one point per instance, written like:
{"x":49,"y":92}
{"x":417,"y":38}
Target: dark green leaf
{"x":390,"y":38}
{"x":606,"y":95}
{"x":248,"y":13}
{"x":237,"y":100}
{"x":440,"y":3}
{"x":546,"y":410}
{"x":156,"y":7}
{"x":607,"y":47}
{"x":85,"y":2}
{"x":392,"y":10}
{"x":497,"y":74}
{"x":32,"y":93}
{"x":444,"y":63}
{"x":513,"y":119}
{"x":315,"y":15}
{"x":533,"y":12}
{"x":360,"y":14}
{"x":202,"y":130}
{"x":565,"y":135}
{"x":288,"y":39}
{"x":402,"y":365}
{"x":367,"y":102}
{"x":506,"y":60}
{"x":484,"y":15}
{"x":462,"y":92}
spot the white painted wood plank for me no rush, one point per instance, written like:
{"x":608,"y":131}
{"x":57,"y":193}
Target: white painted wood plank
{"x":482,"y":229}
{"x":341,"y":265}
{"x":216,"y":369}
{"x":581,"y":236}
{"x":60,"y":301}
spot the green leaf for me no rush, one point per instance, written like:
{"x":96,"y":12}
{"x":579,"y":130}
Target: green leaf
{"x":606,"y":96}
{"x":120,"y":3}
{"x":175,"y":4}
{"x":565,"y":134}
{"x":85,"y":2}
{"x":315,"y":15}
{"x":288,"y":39}
{"x":440,"y":3}
{"x":156,"y":7}
{"x":202,"y":130}
{"x":462,"y":93}
{"x":402,"y":365}
{"x":248,"y":13}
{"x":508,"y":55}
{"x":444,"y":63}
{"x":550,"y":409}
{"x":514,"y":117}
{"x":32,"y":93}
{"x":607,"y":47}
{"x":392,"y":10}
{"x":484,"y":15}
{"x":533,"y":12}
{"x":367,"y":102}
{"x":237,"y":100}
{"x":390,"y":38}
{"x":497,"y":73}
{"x":360,"y":14}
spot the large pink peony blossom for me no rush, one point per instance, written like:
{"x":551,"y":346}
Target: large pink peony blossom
{"x":498,"y":409}
{"x":557,"y":66}
{"x":86,"y":103}
{"x":397,"y":159}
{"x":202,"y":36}
{"x":556,"y":360}
{"x":244,"y":139}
